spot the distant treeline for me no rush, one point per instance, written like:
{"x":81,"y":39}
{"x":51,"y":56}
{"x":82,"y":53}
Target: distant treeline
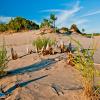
{"x":90,"y":35}
{"x":18,"y":24}
{"x":21,"y":24}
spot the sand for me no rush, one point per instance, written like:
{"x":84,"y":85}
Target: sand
{"x":59,"y":73}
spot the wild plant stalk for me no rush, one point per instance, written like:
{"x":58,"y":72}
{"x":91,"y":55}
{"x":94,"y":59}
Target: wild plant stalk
{"x":83,"y":61}
{"x":3,"y":58}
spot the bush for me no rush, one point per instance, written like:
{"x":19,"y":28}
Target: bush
{"x":3,"y":27}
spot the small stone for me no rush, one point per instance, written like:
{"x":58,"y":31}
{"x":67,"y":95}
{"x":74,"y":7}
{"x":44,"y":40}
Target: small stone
{"x":56,"y":59}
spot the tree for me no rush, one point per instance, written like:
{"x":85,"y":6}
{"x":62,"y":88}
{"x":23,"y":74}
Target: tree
{"x":20,"y":23}
{"x":53,"y":18}
{"x":83,"y":30}
{"x":45,"y":23}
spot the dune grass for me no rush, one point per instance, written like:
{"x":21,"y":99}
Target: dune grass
{"x":83,"y":61}
{"x":39,"y":43}
{"x":3,"y":59}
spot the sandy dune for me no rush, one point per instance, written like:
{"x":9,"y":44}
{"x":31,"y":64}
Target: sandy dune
{"x":38,"y":84}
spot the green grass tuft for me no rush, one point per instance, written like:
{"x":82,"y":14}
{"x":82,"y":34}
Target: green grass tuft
{"x":39,"y":43}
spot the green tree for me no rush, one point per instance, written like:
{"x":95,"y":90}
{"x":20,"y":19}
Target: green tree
{"x":53,"y":19}
{"x":45,"y":23}
{"x":83,"y":30}
{"x":20,"y":23}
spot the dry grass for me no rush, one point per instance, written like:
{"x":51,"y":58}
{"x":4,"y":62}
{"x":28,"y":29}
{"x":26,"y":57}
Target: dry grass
{"x":3,"y":59}
{"x":83,"y":61}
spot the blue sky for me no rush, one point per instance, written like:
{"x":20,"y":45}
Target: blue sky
{"x":84,"y":13}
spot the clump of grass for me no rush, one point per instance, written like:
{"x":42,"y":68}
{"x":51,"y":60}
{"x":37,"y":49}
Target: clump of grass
{"x":83,"y":61}
{"x":97,"y":73}
{"x":3,"y":59}
{"x":40,"y":43}
{"x":70,"y":59}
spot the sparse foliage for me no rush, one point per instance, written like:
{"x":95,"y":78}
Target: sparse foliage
{"x":53,"y":18}
{"x":83,"y":61}
{"x":49,"y":22}
{"x":45,"y":23}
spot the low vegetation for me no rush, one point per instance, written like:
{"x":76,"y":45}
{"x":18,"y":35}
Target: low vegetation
{"x":18,"y":24}
{"x":83,"y":61}
{"x":3,"y":60}
{"x":90,"y":35}
{"x":49,"y":22}
{"x":21,"y":24}
{"x":42,"y":43}
{"x":3,"y":27}
{"x":65,"y":29}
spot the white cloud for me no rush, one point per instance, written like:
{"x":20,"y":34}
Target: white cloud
{"x":52,"y":10}
{"x":91,"y":13}
{"x":4,"y":19}
{"x":67,"y":17}
{"x":64,"y":16}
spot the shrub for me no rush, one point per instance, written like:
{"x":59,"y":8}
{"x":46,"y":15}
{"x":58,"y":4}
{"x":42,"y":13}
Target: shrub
{"x":3,"y":27}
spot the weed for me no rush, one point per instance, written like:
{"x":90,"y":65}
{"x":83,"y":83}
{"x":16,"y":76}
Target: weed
{"x":3,"y":59}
